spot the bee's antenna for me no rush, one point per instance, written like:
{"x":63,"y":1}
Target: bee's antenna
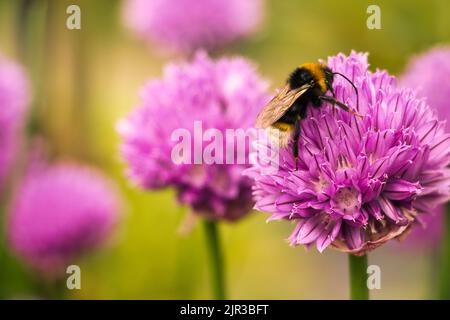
{"x":354,"y":87}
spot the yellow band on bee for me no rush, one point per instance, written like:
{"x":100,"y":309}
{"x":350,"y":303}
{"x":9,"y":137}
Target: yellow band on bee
{"x":318,"y":73}
{"x":282,"y":126}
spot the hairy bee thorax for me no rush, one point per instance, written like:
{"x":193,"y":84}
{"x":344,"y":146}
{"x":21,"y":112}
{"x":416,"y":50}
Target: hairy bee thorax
{"x":310,"y":71}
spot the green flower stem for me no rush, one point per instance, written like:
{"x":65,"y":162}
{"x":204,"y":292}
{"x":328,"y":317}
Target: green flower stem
{"x":216,"y":258}
{"x":50,"y":289}
{"x":444,"y":283}
{"x":358,"y":277}
{"x":3,"y":254}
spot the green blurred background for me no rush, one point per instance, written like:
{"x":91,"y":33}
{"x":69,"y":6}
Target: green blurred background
{"x":85,"y":80}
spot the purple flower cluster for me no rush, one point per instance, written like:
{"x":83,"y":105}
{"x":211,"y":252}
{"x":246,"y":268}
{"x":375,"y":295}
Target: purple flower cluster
{"x":186,"y":25}
{"x":14,"y":98}
{"x":59,"y":212}
{"x":360,"y":182}
{"x":223,"y":94}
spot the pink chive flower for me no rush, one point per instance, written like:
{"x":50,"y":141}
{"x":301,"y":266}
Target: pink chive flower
{"x":58,"y":213}
{"x":216,"y":95}
{"x":14,"y":99}
{"x":361,"y":182}
{"x":429,"y":74}
{"x":186,"y":25}
{"x":429,"y":233}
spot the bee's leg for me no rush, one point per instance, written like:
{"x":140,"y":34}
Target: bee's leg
{"x":334,"y":97}
{"x":296,"y":140}
{"x":339,"y":104}
{"x":301,"y":113}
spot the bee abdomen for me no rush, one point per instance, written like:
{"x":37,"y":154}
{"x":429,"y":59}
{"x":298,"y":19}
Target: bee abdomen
{"x":280,"y":133}
{"x":282,"y":126}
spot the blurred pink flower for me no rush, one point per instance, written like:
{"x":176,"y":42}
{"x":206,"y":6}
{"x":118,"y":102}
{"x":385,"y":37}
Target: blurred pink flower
{"x":429,"y":233}
{"x":186,"y":25}
{"x":14,"y":98}
{"x":429,"y":74}
{"x":58,"y":212}
{"x":223,"y":94}
{"x":361,"y":182}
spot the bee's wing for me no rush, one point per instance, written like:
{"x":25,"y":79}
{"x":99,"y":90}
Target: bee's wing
{"x":278,"y":106}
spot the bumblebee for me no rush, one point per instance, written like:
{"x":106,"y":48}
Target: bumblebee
{"x":306,"y":86}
